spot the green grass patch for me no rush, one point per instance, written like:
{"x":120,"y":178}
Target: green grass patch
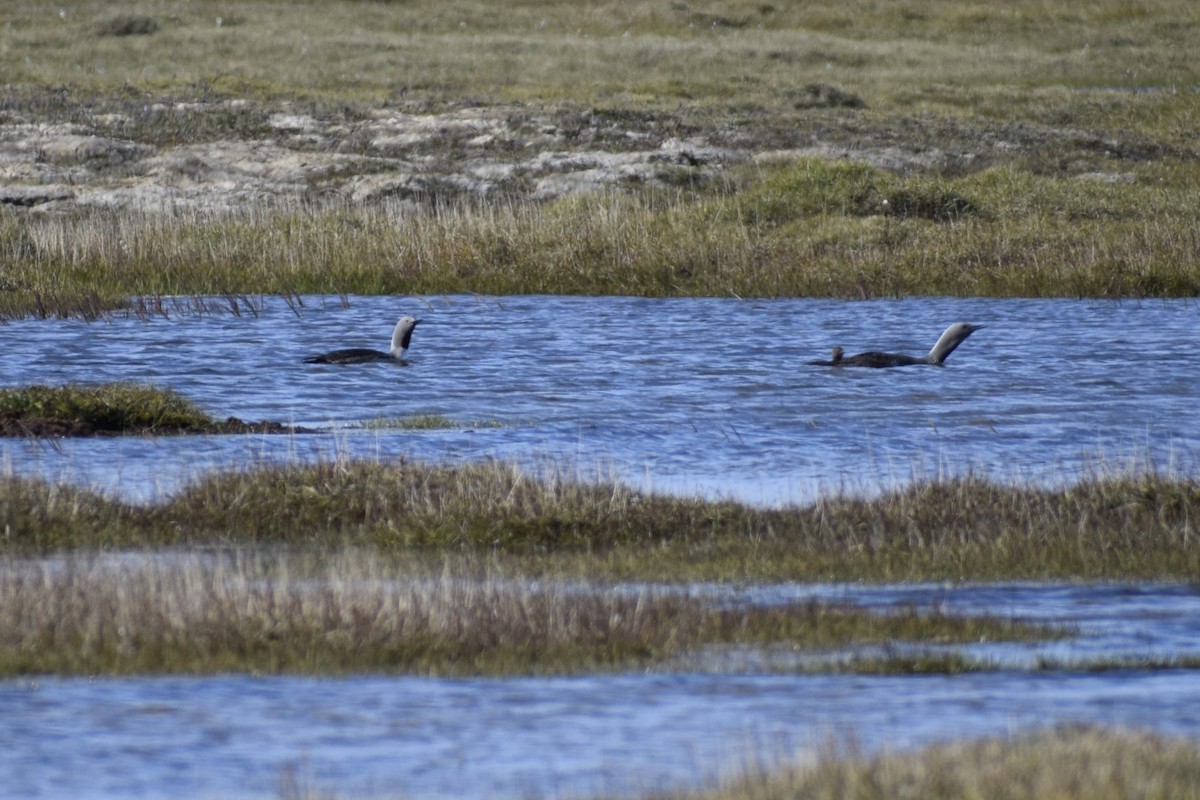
{"x":751,"y":51}
{"x":111,"y":409}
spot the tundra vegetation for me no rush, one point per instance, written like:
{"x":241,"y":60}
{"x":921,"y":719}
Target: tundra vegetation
{"x":201,"y":149}
{"x":719,"y":148}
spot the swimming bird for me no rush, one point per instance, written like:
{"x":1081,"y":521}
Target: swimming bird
{"x":955,"y":335}
{"x":401,"y":337}
{"x":835,"y":359}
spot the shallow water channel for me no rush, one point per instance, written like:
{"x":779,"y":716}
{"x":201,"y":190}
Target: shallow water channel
{"x":235,"y":736}
{"x":688,"y":395}
{"x":709,"y":396}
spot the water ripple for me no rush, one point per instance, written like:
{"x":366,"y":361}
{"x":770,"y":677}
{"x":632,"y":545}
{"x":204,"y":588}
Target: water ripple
{"x":707,"y":395}
{"x":688,"y":395}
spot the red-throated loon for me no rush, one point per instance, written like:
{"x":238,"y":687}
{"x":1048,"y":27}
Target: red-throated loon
{"x":401,"y":336}
{"x":955,"y":335}
{"x":835,"y":359}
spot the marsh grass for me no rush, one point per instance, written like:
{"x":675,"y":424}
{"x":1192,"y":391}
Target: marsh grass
{"x":112,"y":409}
{"x":108,"y":408}
{"x":203,"y":612}
{"x":789,"y":228}
{"x":425,"y":422}
{"x":1135,"y":527}
{"x":54,"y":516}
{"x":964,"y":528}
{"x":1065,"y":762}
{"x":1070,"y":762}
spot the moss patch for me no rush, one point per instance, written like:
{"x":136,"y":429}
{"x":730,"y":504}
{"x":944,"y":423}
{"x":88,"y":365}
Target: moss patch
{"x":112,"y":410}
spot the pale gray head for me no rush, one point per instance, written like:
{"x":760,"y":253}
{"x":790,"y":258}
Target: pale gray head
{"x":402,"y":335}
{"x":953,"y":336}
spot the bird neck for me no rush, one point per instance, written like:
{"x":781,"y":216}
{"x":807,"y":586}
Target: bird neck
{"x":944,"y":347}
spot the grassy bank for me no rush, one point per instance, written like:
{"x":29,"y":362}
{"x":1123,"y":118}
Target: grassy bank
{"x":806,"y":228}
{"x":1116,"y":528}
{"x":918,"y":147}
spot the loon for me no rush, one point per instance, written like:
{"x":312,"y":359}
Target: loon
{"x":955,"y":335}
{"x":401,"y":337}
{"x":835,"y":359}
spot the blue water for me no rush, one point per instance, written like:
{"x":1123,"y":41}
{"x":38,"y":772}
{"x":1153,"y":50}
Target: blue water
{"x":237,"y":736}
{"x":709,"y":396}
{"x":686,"y":395}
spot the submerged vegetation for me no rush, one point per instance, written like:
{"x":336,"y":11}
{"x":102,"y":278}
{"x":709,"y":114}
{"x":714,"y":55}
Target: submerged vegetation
{"x":130,"y":408}
{"x":425,"y":422}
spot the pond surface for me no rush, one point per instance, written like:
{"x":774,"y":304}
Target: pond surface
{"x":686,"y":395}
{"x":238,"y":736}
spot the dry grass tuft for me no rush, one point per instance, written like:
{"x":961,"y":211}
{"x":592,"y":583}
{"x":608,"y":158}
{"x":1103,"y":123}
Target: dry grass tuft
{"x":1068,"y":763}
{"x":349,"y":611}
